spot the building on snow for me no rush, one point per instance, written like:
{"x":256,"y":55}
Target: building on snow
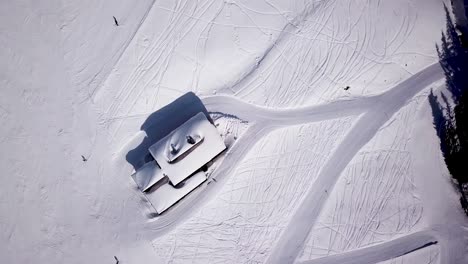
{"x":179,"y":158}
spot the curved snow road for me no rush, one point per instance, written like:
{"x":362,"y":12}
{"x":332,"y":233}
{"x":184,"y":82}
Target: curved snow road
{"x":378,"y":109}
{"x":291,"y":116}
{"x":287,"y":117}
{"x":307,"y":212}
{"x":380,"y":252}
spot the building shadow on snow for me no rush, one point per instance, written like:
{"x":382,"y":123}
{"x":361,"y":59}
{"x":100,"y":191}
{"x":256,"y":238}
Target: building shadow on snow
{"x":162,"y":122}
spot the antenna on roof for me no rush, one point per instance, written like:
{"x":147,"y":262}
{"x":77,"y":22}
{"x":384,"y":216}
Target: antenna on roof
{"x":173,"y":149}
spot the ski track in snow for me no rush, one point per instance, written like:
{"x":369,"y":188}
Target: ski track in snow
{"x":309,"y":56}
{"x":374,"y":110}
{"x":288,"y":247}
{"x":264,"y":120}
{"x":387,"y":203}
{"x":381,"y":252}
{"x":377,"y":110}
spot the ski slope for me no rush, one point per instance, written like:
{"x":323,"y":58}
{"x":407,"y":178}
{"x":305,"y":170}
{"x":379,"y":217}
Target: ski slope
{"x":313,"y":173}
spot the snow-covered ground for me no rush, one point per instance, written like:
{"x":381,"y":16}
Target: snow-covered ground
{"x":314,"y":173}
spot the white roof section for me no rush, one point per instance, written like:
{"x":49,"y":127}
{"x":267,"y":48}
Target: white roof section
{"x":166,"y":195}
{"x":148,"y":175}
{"x":187,"y":148}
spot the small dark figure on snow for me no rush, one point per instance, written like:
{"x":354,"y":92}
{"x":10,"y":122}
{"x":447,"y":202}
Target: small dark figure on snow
{"x":115,"y":21}
{"x":83,"y":157}
{"x":347,"y":88}
{"x":117,"y":260}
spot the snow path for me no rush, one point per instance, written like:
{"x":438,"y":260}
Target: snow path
{"x":264,"y":120}
{"x":303,"y":220}
{"x":85,"y":86}
{"x":381,"y":252}
{"x":282,"y":117}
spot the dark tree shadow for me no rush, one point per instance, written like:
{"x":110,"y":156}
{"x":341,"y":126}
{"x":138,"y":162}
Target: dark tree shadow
{"x":162,"y":122}
{"x":451,"y":121}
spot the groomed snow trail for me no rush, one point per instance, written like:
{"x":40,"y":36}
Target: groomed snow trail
{"x":302,"y":222}
{"x":85,"y":86}
{"x":377,"y":110}
{"x":381,"y":252}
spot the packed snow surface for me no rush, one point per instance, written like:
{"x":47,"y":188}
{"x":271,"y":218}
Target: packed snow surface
{"x":331,"y":153}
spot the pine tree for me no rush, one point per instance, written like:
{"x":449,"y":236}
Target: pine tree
{"x":452,"y":125}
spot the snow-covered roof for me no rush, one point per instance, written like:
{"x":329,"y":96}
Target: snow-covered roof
{"x":179,"y":156}
{"x":148,"y":175}
{"x":166,"y":195}
{"x":188,"y":148}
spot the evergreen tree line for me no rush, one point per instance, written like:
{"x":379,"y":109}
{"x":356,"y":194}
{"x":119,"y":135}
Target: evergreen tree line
{"x":451,"y":120}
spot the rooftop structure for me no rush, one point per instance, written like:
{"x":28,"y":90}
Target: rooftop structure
{"x":178,"y":159}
